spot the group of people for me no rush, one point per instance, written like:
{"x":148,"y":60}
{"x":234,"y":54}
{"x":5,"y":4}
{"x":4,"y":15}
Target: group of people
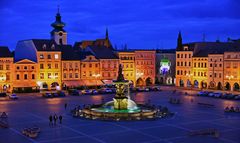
{"x":53,"y":120}
{"x":232,"y":109}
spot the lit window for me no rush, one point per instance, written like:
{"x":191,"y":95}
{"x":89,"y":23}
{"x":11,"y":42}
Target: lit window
{"x":49,"y":76}
{"x":41,"y":56}
{"x":41,"y":75}
{"x":56,"y":56}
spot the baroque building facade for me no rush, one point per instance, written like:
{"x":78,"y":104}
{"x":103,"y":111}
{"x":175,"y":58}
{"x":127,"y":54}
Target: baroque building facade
{"x":213,"y":65}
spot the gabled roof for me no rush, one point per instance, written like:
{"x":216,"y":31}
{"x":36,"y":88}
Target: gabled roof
{"x":202,"y":49}
{"x":5,"y":52}
{"x":68,"y":53}
{"x":45,"y":45}
{"x":103,"y":52}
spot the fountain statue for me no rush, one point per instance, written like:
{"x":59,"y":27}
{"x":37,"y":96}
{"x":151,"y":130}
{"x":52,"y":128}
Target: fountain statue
{"x":120,"y":99}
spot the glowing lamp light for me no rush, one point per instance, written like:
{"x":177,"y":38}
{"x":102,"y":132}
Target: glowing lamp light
{"x":3,"y":78}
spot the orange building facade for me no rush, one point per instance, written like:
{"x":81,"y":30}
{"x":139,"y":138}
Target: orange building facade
{"x":6,"y":67}
{"x":213,"y":65}
{"x":145,"y":67}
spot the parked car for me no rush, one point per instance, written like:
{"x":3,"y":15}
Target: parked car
{"x":237,"y":97}
{"x":211,"y":94}
{"x":218,"y":94}
{"x":108,"y":90}
{"x":86,"y":91}
{"x":3,"y":94}
{"x":47,"y":95}
{"x":155,"y":88}
{"x":141,"y":89}
{"x":61,"y":94}
{"x":230,"y":96}
{"x":94,"y":91}
{"x":55,"y":95}
{"x":202,"y":93}
{"x":13,"y":96}
{"x":74,"y":93}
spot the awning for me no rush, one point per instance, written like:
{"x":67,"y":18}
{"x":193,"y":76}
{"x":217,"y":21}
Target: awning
{"x":90,"y":82}
{"x":73,"y":83}
{"x":107,"y":82}
{"x":25,"y":84}
{"x":83,"y":82}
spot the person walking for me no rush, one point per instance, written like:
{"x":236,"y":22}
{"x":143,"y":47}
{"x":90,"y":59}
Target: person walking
{"x":55,"y":117}
{"x":60,"y":119}
{"x":50,"y":120}
{"x":65,"y":106}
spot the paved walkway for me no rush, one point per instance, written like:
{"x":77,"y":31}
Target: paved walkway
{"x":28,"y":111}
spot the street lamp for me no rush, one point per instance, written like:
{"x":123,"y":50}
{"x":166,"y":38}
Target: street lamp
{"x":189,"y":76}
{"x":229,"y":77}
{"x":96,"y":76}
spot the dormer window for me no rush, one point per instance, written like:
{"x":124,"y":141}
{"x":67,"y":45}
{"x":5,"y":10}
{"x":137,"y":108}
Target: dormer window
{"x":53,"y":47}
{"x":185,"y":48}
{"x":44,"y":47}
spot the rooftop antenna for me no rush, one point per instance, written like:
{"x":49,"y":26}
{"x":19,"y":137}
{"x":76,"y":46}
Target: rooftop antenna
{"x":58,"y":8}
{"x":204,"y":37}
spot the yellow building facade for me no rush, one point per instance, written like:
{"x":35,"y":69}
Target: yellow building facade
{"x":6,"y":67}
{"x":49,"y":75}
{"x":127,"y":60}
{"x":184,"y":73}
{"x":200,"y":72}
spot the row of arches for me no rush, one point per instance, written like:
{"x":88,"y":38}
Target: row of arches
{"x":195,"y":84}
{"x":141,"y":82}
{"x":212,"y":85}
{"x":53,"y":85}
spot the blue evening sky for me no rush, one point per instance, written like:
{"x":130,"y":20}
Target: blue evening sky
{"x":137,"y":23}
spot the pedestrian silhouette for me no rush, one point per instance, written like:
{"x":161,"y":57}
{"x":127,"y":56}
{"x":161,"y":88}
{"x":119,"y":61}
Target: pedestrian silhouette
{"x":65,"y":106}
{"x":50,"y":120}
{"x":55,"y":117}
{"x":60,"y":119}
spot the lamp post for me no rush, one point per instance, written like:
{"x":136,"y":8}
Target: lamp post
{"x":96,"y":77}
{"x":189,"y":76}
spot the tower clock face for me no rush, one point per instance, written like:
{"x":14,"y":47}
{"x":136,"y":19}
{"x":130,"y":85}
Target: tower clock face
{"x":60,"y":34}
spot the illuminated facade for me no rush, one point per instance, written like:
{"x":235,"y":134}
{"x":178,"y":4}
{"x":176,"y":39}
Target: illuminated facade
{"x":25,"y":76}
{"x":212,"y":65}
{"x":215,"y":71}
{"x":145,"y":67}
{"x":232,"y":71}
{"x":165,"y":66}
{"x":127,"y":59}
{"x":52,"y":64}
{"x":6,"y":66}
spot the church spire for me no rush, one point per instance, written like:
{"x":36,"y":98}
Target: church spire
{"x":179,"y":41}
{"x":106,"y":34}
{"x":58,"y":24}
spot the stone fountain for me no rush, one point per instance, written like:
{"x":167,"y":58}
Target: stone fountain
{"x":121,"y":107}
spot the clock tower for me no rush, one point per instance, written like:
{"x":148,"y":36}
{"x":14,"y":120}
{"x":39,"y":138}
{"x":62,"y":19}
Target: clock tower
{"x":58,"y":33}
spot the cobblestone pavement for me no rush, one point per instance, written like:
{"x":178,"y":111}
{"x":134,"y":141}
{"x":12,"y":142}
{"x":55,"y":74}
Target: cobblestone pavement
{"x":32,"y":110}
